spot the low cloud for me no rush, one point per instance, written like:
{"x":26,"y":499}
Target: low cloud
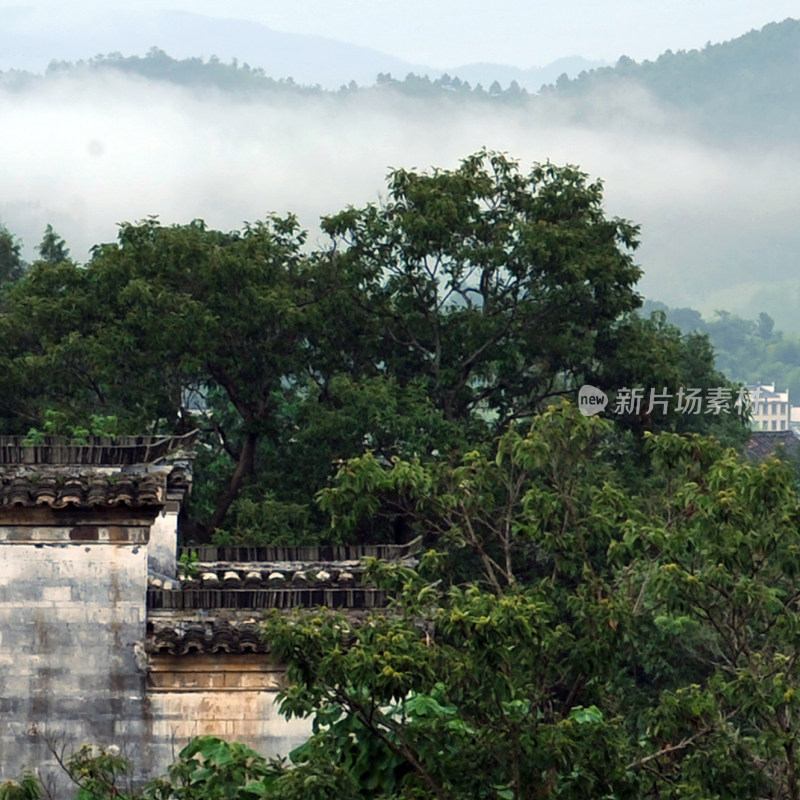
{"x":85,"y":152}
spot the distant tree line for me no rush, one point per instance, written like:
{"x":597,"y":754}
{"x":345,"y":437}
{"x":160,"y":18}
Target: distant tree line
{"x":750,"y":351}
{"x":252,"y":82}
{"x":745,"y":90}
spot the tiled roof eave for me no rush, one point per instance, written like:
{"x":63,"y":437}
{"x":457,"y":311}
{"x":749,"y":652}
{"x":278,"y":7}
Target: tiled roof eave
{"x":86,"y":491}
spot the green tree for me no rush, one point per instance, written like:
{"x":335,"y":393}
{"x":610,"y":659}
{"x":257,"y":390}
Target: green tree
{"x":52,"y":249}
{"x":12,"y":266}
{"x":209,"y":768}
{"x":655,"y":356}
{"x":164,"y":309}
{"x":469,"y":300}
{"x":27,"y":787}
{"x":765,"y":325}
{"x":491,"y":285}
{"x":594,"y":642}
{"x":488,"y":678}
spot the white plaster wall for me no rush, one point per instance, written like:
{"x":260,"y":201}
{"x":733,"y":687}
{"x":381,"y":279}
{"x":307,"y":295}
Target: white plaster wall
{"x":70,"y":617}
{"x":163,"y":548}
{"x":241,"y":716}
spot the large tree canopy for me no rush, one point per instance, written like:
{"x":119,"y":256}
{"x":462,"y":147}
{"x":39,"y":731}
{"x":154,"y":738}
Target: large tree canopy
{"x":490,"y":283}
{"x":167,"y":310}
{"x":468,"y":300}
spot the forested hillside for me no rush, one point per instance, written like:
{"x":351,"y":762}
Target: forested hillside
{"x":748,"y":88}
{"x":750,"y":351}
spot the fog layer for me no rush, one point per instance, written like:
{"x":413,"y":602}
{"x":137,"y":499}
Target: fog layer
{"x":85,"y":152}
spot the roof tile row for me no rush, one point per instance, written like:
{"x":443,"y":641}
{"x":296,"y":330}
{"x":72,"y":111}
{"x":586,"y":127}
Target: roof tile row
{"x":217,"y":636}
{"x":83,"y":490}
{"x":357,"y":597}
{"x":268,"y":578}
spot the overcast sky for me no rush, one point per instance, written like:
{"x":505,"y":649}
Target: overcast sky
{"x":442,"y":33}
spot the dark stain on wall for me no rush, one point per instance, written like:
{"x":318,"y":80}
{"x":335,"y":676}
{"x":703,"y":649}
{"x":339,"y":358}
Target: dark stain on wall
{"x":84,"y":533}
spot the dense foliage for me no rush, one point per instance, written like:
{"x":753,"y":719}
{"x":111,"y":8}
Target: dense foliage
{"x":468,"y":300}
{"x":606,"y":605}
{"x":562,"y":636}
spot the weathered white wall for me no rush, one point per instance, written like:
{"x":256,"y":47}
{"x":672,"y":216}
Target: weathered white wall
{"x":72,"y":659}
{"x":72,"y":617}
{"x":231,"y":696}
{"x":162,"y":550}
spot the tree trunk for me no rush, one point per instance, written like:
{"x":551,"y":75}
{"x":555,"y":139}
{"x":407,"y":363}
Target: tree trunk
{"x":244,"y":467}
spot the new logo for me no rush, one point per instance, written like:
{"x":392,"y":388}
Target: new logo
{"x":591,"y":400}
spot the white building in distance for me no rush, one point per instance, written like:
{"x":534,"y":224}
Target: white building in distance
{"x":771,"y":409}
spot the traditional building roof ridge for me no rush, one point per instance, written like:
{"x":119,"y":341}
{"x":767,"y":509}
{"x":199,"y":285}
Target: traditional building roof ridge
{"x":238,"y":634}
{"x":220,"y":585}
{"x":55,"y":451}
{"x":305,"y":554}
{"x":762,"y":444}
{"x":134,"y":471}
{"x":184,"y":637}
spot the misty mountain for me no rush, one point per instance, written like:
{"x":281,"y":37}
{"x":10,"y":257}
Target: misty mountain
{"x":700,"y":148}
{"x":29,"y":41}
{"x":307,"y":59}
{"x":244,"y":82}
{"x":748,"y":87}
